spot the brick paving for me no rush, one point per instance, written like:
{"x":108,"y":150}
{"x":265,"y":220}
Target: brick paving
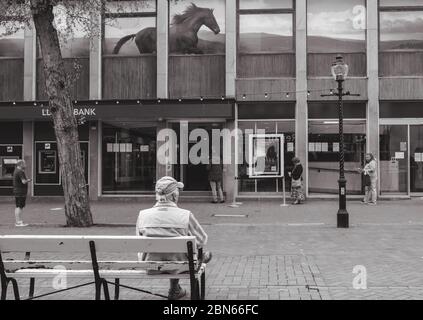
{"x":274,"y":253}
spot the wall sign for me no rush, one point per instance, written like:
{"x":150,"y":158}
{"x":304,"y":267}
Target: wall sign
{"x":266,"y":153}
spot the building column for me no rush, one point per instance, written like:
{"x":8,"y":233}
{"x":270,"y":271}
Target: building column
{"x":28,"y":151}
{"x":301,"y":118}
{"x":230,"y":185}
{"x":162,"y":87}
{"x":30,"y":64}
{"x":94,"y":126}
{"x":373,"y":78}
{"x":230,"y":51}
{"x":29,"y":94}
{"x":161,"y":169}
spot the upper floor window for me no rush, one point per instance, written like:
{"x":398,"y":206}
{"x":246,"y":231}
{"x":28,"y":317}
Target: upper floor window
{"x":400,"y":3}
{"x":73,"y":33}
{"x":401,"y":25}
{"x":197,"y":27}
{"x":336,"y":26}
{"x":266,"y":26}
{"x":130,"y":27}
{"x":11,"y":40}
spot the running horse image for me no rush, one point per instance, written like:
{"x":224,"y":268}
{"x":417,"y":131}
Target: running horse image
{"x":182,"y":32}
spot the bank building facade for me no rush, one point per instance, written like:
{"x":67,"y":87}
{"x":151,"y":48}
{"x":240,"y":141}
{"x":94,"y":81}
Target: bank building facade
{"x":257,"y":65}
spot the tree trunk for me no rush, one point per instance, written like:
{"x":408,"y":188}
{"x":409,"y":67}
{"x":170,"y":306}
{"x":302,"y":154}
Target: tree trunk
{"x":77,"y":208}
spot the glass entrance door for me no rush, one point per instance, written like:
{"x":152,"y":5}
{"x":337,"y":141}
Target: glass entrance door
{"x":194,"y":175}
{"x":416,"y":158}
{"x":393,"y":159}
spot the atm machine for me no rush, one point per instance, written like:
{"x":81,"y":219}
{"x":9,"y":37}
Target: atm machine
{"x":9,"y":155}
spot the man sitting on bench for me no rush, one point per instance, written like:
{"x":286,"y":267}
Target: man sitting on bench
{"x":165,"y":219}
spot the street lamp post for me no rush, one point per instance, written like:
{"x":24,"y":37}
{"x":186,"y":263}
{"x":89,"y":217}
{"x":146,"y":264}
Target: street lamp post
{"x":339,"y":72}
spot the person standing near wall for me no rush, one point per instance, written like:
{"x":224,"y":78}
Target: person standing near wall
{"x":370,"y":174}
{"x":297,"y":193}
{"x":20,"y":190}
{"x":215,"y":175}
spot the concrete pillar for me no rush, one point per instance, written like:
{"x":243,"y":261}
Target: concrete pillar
{"x":95,"y":92}
{"x":229,"y":170}
{"x":95,"y":66}
{"x":231,"y":19}
{"x":29,"y":93}
{"x":30,"y":65}
{"x":94,"y":159}
{"x":161,"y":169}
{"x":373,"y":78}
{"x":162,"y":49}
{"x":301,"y":119}
{"x":28,"y":150}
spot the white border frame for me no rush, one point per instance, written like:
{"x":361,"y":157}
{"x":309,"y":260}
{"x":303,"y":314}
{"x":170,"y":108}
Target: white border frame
{"x":281,"y":138}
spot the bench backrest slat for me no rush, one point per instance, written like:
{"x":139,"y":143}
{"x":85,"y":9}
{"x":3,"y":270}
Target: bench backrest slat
{"x":68,"y":243}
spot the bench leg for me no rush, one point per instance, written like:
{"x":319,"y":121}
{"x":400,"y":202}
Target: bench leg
{"x":3,"y":289}
{"x":195,"y":290}
{"x":106,"y":290}
{"x":98,"y":285}
{"x":31,"y":288}
{"x":117,"y":282}
{"x":203,"y":286}
{"x":15,"y":289}
{"x":5,"y":285}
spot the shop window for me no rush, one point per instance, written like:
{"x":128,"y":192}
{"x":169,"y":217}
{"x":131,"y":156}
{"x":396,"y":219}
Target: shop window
{"x":247,"y":184}
{"x":336,"y":27}
{"x":128,"y":158}
{"x":323,"y":155}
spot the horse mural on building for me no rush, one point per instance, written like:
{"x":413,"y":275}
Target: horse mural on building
{"x":182,"y":32}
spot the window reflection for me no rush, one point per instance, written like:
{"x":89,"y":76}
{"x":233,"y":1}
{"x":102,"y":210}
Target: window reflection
{"x":336,"y":26}
{"x":197,"y":27}
{"x":401,"y":30}
{"x":323,"y":155}
{"x":266,"y":33}
{"x":11,"y":41}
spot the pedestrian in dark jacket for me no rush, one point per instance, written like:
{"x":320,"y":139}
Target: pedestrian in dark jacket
{"x":297,"y":193}
{"x":215,"y":176}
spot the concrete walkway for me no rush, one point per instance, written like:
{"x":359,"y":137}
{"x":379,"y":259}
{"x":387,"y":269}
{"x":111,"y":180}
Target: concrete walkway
{"x":265,"y":251}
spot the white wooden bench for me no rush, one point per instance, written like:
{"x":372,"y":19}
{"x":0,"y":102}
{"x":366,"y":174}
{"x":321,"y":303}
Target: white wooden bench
{"x":100,"y":271}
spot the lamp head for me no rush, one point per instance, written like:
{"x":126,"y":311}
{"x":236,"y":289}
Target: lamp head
{"x":339,"y":69}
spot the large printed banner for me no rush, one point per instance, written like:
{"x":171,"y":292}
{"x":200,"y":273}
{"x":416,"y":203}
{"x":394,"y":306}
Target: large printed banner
{"x":266,"y":155}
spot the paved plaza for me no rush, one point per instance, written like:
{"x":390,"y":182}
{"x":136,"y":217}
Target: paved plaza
{"x":271,"y":252}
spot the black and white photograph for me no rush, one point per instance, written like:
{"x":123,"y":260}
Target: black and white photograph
{"x":239,"y":152}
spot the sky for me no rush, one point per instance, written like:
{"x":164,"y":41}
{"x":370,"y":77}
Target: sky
{"x":336,"y":19}
{"x":401,"y":26}
{"x":265,"y":4}
{"x":267,"y":23}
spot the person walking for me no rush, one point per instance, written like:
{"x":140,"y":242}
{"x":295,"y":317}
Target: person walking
{"x":215,"y":177}
{"x":370,"y":179}
{"x":297,"y":193}
{"x":20,"y":190}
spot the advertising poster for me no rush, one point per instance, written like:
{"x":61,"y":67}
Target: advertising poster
{"x":266,"y":155}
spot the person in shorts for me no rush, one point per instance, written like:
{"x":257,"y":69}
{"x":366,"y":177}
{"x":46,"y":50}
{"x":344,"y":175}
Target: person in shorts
{"x":20,"y":190}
